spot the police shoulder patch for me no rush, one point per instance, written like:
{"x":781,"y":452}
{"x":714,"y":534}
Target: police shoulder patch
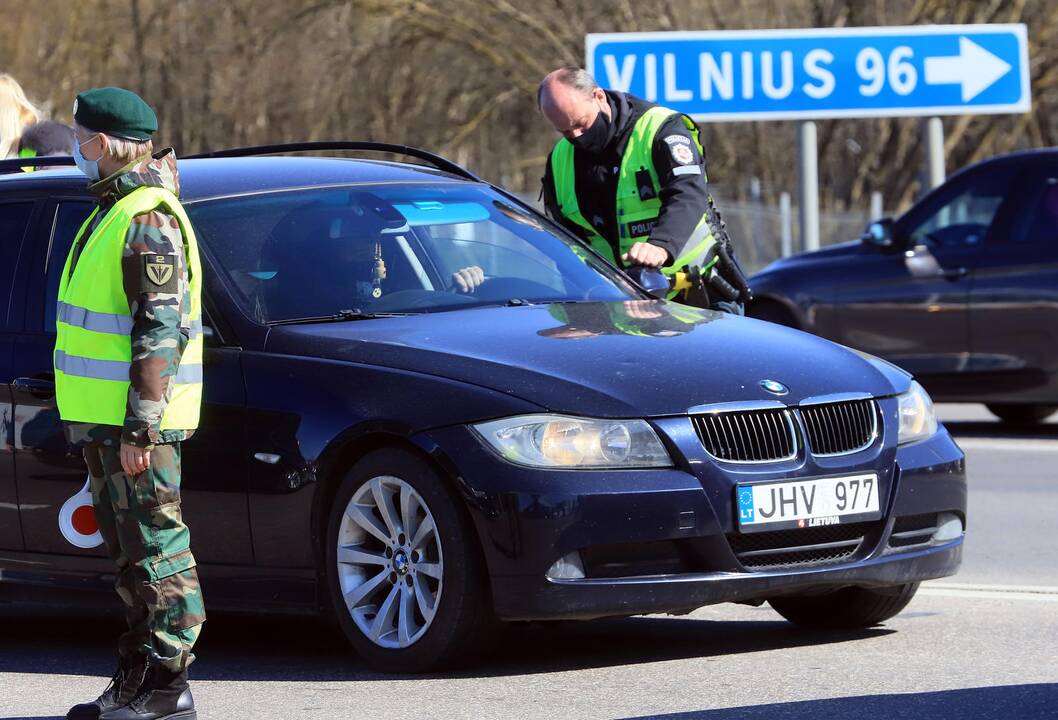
{"x":159,"y":273}
{"x":681,"y":153}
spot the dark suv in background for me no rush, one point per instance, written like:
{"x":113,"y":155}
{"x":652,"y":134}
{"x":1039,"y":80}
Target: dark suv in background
{"x":961,"y":290}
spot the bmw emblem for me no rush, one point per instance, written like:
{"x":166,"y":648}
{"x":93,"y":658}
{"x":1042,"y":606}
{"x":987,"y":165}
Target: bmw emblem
{"x":774,"y":387}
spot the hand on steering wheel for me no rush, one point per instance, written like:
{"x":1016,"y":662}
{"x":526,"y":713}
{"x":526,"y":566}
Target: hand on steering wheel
{"x":468,"y":279}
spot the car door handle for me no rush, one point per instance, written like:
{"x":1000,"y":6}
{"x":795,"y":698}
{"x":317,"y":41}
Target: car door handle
{"x":954,"y":273}
{"x":44,"y":389}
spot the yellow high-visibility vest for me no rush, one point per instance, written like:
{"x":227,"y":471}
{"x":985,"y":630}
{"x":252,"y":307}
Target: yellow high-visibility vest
{"x":635,"y":216}
{"x":93,"y":347}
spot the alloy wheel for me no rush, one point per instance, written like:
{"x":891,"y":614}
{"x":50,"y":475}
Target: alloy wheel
{"x":390,"y":564}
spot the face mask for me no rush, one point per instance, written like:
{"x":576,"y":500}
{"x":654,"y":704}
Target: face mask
{"x":594,"y":139}
{"x":88,"y":167}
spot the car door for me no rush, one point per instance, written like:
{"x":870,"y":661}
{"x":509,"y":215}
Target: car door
{"x":15,"y":218}
{"x":49,"y":471}
{"x":910,"y":303}
{"x":1014,"y":300}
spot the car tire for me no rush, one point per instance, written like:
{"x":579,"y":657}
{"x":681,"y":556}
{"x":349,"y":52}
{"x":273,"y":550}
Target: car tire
{"x":845,"y":609}
{"x":1022,"y":414}
{"x":433,"y":599}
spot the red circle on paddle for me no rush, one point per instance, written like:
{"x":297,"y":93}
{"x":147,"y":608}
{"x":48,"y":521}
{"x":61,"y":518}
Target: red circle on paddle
{"x":83,"y":520}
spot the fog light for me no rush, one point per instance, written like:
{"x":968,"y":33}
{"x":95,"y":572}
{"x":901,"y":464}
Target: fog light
{"x":567,"y":568}
{"x":949,"y":527}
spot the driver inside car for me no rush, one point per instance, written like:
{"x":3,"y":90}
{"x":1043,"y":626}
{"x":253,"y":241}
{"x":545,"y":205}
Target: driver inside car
{"x":323,"y":258}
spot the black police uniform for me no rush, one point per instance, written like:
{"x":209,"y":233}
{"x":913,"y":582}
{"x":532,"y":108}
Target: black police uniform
{"x":684,"y":197}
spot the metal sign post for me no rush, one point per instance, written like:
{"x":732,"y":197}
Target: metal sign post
{"x":809,"y":161}
{"x":928,"y":70}
{"x":934,"y":153}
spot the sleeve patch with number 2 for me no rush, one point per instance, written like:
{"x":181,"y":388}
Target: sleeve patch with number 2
{"x":159,"y":273}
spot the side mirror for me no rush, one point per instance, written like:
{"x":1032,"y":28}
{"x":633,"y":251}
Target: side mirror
{"x":650,"y":279}
{"x":880,"y":234}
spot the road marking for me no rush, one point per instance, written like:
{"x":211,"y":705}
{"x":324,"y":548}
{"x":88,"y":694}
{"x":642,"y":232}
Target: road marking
{"x":1040,"y":593}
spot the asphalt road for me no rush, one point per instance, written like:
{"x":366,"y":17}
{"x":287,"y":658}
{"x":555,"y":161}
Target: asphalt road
{"x":979,"y":645}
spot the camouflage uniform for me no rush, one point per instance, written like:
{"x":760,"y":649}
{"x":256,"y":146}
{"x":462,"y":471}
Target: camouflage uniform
{"x":139,"y":517}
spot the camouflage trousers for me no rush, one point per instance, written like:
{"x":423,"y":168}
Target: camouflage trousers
{"x":140,"y":521}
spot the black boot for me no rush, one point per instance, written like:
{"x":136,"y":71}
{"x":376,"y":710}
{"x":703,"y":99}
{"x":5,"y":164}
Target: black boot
{"x":164,"y":695}
{"x":122,"y":688}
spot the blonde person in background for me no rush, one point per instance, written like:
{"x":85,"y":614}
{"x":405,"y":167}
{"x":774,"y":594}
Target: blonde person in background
{"x":16,"y":114}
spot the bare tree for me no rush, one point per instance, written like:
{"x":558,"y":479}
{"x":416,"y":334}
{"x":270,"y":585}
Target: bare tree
{"x":460,"y":77}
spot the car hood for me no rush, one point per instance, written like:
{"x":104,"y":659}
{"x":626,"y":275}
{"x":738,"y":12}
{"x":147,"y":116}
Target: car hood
{"x":622,"y":359}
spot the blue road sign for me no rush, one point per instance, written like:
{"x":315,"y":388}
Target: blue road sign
{"x":823,"y":73}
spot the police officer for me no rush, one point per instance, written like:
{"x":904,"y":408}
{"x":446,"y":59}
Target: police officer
{"x":629,"y":177}
{"x":128,"y":379}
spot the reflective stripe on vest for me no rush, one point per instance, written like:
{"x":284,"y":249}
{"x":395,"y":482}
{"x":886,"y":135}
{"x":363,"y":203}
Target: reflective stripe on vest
{"x":635,"y":216}
{"x":116,"y":369}
{"x":105,"y":322}
{"x":93,"y":350}
{"x":112,"y":323}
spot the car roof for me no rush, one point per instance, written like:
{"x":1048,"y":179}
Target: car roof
{"x":203,"y":178}
{"x":1047,"y":153}
{"x":1016,"y":157}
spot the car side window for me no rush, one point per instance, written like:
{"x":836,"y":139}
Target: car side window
{"x":1036,"y":220}
{"x":14,"y":218}
{"x":275,"y":248}
{"x":68,"y":219}
{"x":960,"y":217}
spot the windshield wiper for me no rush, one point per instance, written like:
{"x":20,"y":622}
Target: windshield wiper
{"x":513,"y":302}
{"x":347,"y":315}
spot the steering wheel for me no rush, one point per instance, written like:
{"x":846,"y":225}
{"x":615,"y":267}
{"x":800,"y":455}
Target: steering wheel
{"x":415,"y":298}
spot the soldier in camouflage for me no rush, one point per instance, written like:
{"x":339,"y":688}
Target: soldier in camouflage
{"x":135,"y":469}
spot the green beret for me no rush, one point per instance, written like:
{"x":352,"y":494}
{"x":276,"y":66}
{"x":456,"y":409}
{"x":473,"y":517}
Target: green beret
{"x":115,"y":111}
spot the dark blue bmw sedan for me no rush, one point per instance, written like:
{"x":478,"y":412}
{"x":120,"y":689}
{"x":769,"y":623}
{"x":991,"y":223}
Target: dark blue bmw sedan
{"x":428,"y":409}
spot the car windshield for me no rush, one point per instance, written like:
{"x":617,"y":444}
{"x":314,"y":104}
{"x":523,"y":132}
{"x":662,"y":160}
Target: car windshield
{"x":408,"y":248}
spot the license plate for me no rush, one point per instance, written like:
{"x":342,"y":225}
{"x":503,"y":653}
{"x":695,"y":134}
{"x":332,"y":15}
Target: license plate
{"x":807,"y":503}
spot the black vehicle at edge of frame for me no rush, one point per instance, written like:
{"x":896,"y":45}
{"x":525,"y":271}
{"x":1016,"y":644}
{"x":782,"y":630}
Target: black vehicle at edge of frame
{"x":961,"y":290}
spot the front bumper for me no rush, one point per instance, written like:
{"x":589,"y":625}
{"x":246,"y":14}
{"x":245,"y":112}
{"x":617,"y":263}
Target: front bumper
{"x":672,"y":526}
{"x":527,"y":598}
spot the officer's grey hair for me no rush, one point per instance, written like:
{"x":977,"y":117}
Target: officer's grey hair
{"x":572,"y":77}
{"x":121,"y":150}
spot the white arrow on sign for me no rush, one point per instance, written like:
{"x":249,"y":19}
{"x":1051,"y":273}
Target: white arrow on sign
{"x":974,"y":68}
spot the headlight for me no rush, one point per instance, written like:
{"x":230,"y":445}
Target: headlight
{"x":557,"y":441}
{"x":918,"y":421}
